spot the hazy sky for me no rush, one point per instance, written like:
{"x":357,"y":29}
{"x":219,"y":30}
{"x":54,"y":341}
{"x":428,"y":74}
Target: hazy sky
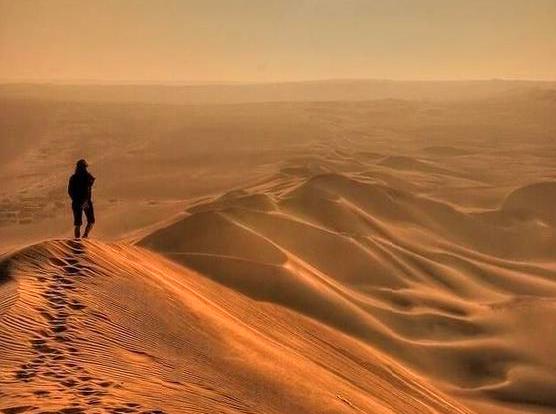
{"x":259,"y":40}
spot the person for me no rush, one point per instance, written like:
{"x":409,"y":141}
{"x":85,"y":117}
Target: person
{"x":80,"y":188}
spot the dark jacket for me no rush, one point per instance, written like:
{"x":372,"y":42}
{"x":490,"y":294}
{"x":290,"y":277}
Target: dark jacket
{"x":80,"y":186}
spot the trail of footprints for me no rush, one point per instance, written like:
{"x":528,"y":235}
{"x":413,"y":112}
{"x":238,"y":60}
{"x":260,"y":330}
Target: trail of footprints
{"x":54,"y":349}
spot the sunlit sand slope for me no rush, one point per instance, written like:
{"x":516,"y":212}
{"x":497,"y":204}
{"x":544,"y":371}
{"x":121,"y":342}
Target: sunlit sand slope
{"x":91,"y":327}
{"x":464,"y":297}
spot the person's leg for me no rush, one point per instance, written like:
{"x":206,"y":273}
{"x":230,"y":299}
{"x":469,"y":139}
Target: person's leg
{"x":88,"y":229}
{"x":77,"y":219}
{"x":90,"y":214}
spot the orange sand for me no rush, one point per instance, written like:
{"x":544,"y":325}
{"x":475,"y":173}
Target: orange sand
{"x":376,"y":256}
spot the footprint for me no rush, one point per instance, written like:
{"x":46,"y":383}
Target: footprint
{"x":77,"y":306}
{"x":57,"y":262}
{"x":46,"y":315}
{"x":77,"y":247}
{"x":72,"y":410}
{"x":119,"y":410}
{"x":86,"y":391}
{"x":70,"y":383}
{"x":59,"y":328}
{"x":50,"y":293}
{"x":43,"y":349}
{"x":17,"y":410}
{"x":25,"y":375}
{"x":71,"y":260}
{"x":59,"y":299}
{"x":71,"y":269}
{"x":59,"y":320}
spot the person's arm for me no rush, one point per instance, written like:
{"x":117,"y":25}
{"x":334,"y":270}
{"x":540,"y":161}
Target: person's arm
{"x":71,"y":187}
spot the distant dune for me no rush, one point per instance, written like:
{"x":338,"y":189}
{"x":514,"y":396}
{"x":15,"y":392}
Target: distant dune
{"x":537,"y":199}
{"x":430,"y":285}
{"x":325,"y":90}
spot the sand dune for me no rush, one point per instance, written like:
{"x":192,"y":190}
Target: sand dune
{"x":333,"y":293}
{"x":151,"y":160}
{"x":387,"y":256}
{"x":447,"y":292}
{"x":537,"y":200}
{"x":91,"y":327}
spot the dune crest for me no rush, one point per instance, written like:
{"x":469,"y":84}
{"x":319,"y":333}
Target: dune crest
{"x":93,"y":327}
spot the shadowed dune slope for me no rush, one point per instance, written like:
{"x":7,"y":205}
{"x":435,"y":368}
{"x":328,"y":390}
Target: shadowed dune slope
{"x":91,"y":327}
{"x":537,"y":199}
{"x":447,"y":292}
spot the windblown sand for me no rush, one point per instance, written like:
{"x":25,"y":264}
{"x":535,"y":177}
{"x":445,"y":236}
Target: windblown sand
{"x":98,"y":328}
{"x":314,"y":257}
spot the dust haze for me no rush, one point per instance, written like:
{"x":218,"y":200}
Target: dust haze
{"x":275,"y":245}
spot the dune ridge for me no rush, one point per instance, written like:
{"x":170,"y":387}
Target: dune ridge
{"x":95,"y":327}
{"x":447,"y":292}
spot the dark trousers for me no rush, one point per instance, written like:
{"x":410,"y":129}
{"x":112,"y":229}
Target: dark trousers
{"x":79,"y":208}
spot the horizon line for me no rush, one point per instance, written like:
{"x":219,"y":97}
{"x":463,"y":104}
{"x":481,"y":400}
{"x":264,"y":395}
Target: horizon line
{"x":146,"y":82}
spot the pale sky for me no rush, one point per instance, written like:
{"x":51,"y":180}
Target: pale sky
{"x":276,"y":40}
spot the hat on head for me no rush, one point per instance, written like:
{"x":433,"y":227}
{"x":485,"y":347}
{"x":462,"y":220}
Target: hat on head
{"x":82,"y":163}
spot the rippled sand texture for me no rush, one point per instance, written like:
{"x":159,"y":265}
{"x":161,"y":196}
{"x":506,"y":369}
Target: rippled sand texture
{"x":90,"y":327}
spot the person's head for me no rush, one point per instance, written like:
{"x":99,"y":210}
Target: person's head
{"x":81,"y":166}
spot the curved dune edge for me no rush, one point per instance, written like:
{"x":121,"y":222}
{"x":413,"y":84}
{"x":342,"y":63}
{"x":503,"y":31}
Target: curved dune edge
{"x":95,"y":327}
{"x":458,"y":296}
